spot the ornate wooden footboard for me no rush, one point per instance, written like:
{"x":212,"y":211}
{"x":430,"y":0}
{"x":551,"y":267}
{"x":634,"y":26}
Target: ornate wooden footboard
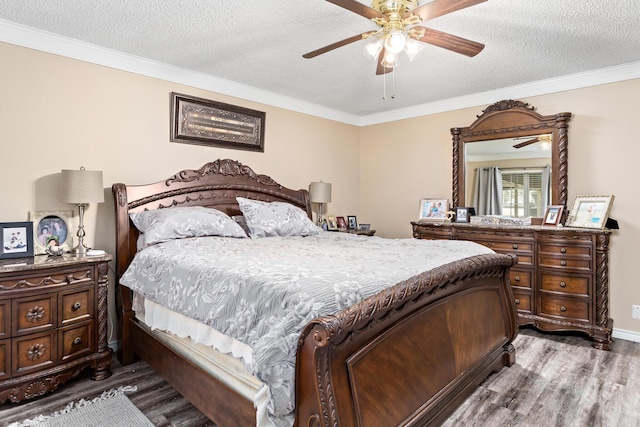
{"x":406,"y":356}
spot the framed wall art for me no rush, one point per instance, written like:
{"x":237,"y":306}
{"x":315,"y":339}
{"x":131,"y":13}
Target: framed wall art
{"x":433,"y":209}
{"x":590,"y":211}
{"x":52,"y":229}
{"x":17,"y":239}
{"x":215,"y":124}
{"x":553,"y":215}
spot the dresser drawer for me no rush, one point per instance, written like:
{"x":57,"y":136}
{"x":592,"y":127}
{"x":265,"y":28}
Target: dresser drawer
{"x":71,"y":276}
{"x":520,"y":278}
{"x":565,"y":263}
{"x":5,"y":319}
{"x":431,"y":234}
{"x":5,"y":359}
{"x":76,"y":305}
{"x":571,"y":284}
{"x":76,"y":341}
{"x":522,"y":300}
{"x":32,"y":314}
{"x":559,"y":249}
{"x":575,"y":309}
{"x":33,"y":352}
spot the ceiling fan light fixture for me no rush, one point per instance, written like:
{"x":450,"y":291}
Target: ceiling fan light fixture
{"x":395,"y":41}
{"x":373,"y":48}
{"x":389,"y":60}
{"x":413,"y":48}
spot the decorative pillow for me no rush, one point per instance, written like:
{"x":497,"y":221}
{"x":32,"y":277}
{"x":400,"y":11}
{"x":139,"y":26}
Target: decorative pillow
{"x":268,"y":219}
{"x":161,"y":225}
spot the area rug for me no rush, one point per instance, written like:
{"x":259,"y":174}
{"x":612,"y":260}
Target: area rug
{"x":111,"y":409}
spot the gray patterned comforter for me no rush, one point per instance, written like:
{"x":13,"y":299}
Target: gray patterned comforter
{"x":264,"y":291}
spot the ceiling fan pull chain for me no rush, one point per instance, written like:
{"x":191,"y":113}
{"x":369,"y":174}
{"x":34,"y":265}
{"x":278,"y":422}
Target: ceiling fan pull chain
{"x":393,"y":86}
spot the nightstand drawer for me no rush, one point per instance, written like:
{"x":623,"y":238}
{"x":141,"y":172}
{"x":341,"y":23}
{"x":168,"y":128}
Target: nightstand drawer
{"x":5,"y":359}
{"x":76,"y":305}
{"x":520,"y":278}
{"x":76,"y":341}
{"x":71,"y":276}
{"x":33,"y":352}
{"x":571,"y":284}
{"x":5,"y":319}
{"x":33,"y":314}
{"x":576,"y":309}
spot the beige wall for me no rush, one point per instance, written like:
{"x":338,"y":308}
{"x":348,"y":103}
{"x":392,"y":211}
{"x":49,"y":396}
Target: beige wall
{"x":58,"y":113}
{"x":406,"y":160}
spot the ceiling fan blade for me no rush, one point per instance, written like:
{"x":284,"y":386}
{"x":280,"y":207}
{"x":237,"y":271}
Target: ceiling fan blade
{"x":381,"y":69}
{"x":525,"y":143}
{"x":441,"y":7}
{"x":358,"y":8}
{"x":450,"y":42}
{"x":332,"y":46}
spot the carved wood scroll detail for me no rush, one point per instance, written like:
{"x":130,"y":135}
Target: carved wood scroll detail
{"x":221,"y":167}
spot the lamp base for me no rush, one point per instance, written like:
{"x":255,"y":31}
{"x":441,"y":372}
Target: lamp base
{"x":80,"y":250}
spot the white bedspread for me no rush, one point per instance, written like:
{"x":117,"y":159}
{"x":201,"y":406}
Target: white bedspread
{"x":262,"y":292}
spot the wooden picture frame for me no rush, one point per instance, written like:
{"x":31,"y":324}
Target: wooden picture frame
{"x":56,"y":225}
{"x":215,"y":124}
{"x":590,"y":211}
{"x":352,"y":222}
{"x":553,"y":215}
{"x":332,"y":225}
{"x":433,"y":210}
{"x":17,"y":239}
{"x":342,"y":223}
{"x":463,"y":213}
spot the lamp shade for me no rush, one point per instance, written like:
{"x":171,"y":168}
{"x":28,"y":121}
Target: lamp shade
{"x":320,"y":192}
{"x":81,"y":186}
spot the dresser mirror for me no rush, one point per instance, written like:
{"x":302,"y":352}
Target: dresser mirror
{"x":526,"y":150}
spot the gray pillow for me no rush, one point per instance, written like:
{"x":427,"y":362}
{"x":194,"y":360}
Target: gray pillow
{"x":161,"y":225}
{"x":268,"y":219}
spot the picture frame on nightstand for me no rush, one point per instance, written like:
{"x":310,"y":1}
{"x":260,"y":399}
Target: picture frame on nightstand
{"x":352,"y":222}
{"x":17,"y":239}
{"x":332,"y":225}
{"x":52,"y":225}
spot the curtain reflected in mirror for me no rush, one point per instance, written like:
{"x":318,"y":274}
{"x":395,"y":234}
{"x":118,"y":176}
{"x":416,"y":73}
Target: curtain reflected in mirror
{"x":518,"y":192}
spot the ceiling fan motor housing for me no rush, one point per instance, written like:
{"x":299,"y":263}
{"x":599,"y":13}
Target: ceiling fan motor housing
{"x":388,"y":7}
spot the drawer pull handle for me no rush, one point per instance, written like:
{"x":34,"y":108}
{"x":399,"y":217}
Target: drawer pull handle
{"x":563,"y":284}
{"x":517,"y":301}
{"x":36,"y":351}
{"x":77,"y":341}
{"x":563,"y":250}
{"x":76,"y":306}
{"x":35,"y":314}
{"x":563,"y":263}
{"x":563,"y":308}
{"x":517,"y":278}
{"x":514,"y":246}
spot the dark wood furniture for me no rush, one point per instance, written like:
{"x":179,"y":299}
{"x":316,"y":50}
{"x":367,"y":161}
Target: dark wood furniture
{"x":53,"y":323}
{"x":511,"y":119}
{"x":561,"y":281}
{"x":408,"y":355}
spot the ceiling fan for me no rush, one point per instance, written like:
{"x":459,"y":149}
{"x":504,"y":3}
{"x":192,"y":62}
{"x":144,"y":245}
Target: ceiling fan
{"x":398,"y":30}
{"x":544,"y":139}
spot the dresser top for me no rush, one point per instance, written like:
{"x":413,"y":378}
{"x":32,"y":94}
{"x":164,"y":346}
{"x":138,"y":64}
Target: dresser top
{"x":45,"y":261}
{"x":538,"y":228}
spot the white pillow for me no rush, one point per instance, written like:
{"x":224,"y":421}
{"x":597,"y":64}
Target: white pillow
{"x":161,"y":225}
{"x":268,"y":219}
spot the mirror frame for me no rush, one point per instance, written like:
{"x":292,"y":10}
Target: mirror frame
{"x":509,"y":119}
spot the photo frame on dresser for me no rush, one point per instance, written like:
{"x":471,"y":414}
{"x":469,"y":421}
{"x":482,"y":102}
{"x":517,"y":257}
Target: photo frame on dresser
{"x":52,"y":228}
{"x":590,"y":211}
{"x":17,"y":239}
{"x":553,"y":215}
{"x":433,"y":210}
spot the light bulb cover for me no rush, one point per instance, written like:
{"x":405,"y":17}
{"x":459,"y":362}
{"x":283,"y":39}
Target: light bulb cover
{"x":395,"y":41}
{"x":389,"y":60}
{"x":373,"y":48}
{"x":413,"y":48}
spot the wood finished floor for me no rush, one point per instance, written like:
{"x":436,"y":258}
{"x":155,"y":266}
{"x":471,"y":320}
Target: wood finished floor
{"x":557,"y":380}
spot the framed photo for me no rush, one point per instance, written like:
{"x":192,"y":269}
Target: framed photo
{"x":364,"y":227}
{"x":51,"y":229}
{"x":215,"y":124}
{"x":553,"y":215}
{"x":464,"y":213}
{"x":332,"y":225}
{"x":17,"y":239}
{"x":352,"y":222}
{"x":433,"y":209}
{"x":342,"y":223}
{"x":590,"y":211}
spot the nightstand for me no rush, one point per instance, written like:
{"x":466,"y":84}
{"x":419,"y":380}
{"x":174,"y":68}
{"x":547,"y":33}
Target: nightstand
{"x":53,"y":323}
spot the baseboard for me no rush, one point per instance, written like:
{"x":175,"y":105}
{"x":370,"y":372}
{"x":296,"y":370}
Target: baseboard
{"x":626,"y":335}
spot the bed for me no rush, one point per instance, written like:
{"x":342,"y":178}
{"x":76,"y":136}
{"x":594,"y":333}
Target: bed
{"x":408,"y":354}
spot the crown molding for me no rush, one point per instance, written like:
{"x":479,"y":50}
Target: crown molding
{"x":44,"y":41}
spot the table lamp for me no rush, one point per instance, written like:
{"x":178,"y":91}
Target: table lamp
{"x":320,"y":193}
{"x":81,"y":187}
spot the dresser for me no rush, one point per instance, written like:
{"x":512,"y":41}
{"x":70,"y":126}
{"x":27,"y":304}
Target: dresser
{"x":53,"y":323}
{"x":561,"y":280}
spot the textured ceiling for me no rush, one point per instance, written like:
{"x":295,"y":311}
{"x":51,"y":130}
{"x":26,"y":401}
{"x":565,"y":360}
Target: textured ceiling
{"x":260,"y":44}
